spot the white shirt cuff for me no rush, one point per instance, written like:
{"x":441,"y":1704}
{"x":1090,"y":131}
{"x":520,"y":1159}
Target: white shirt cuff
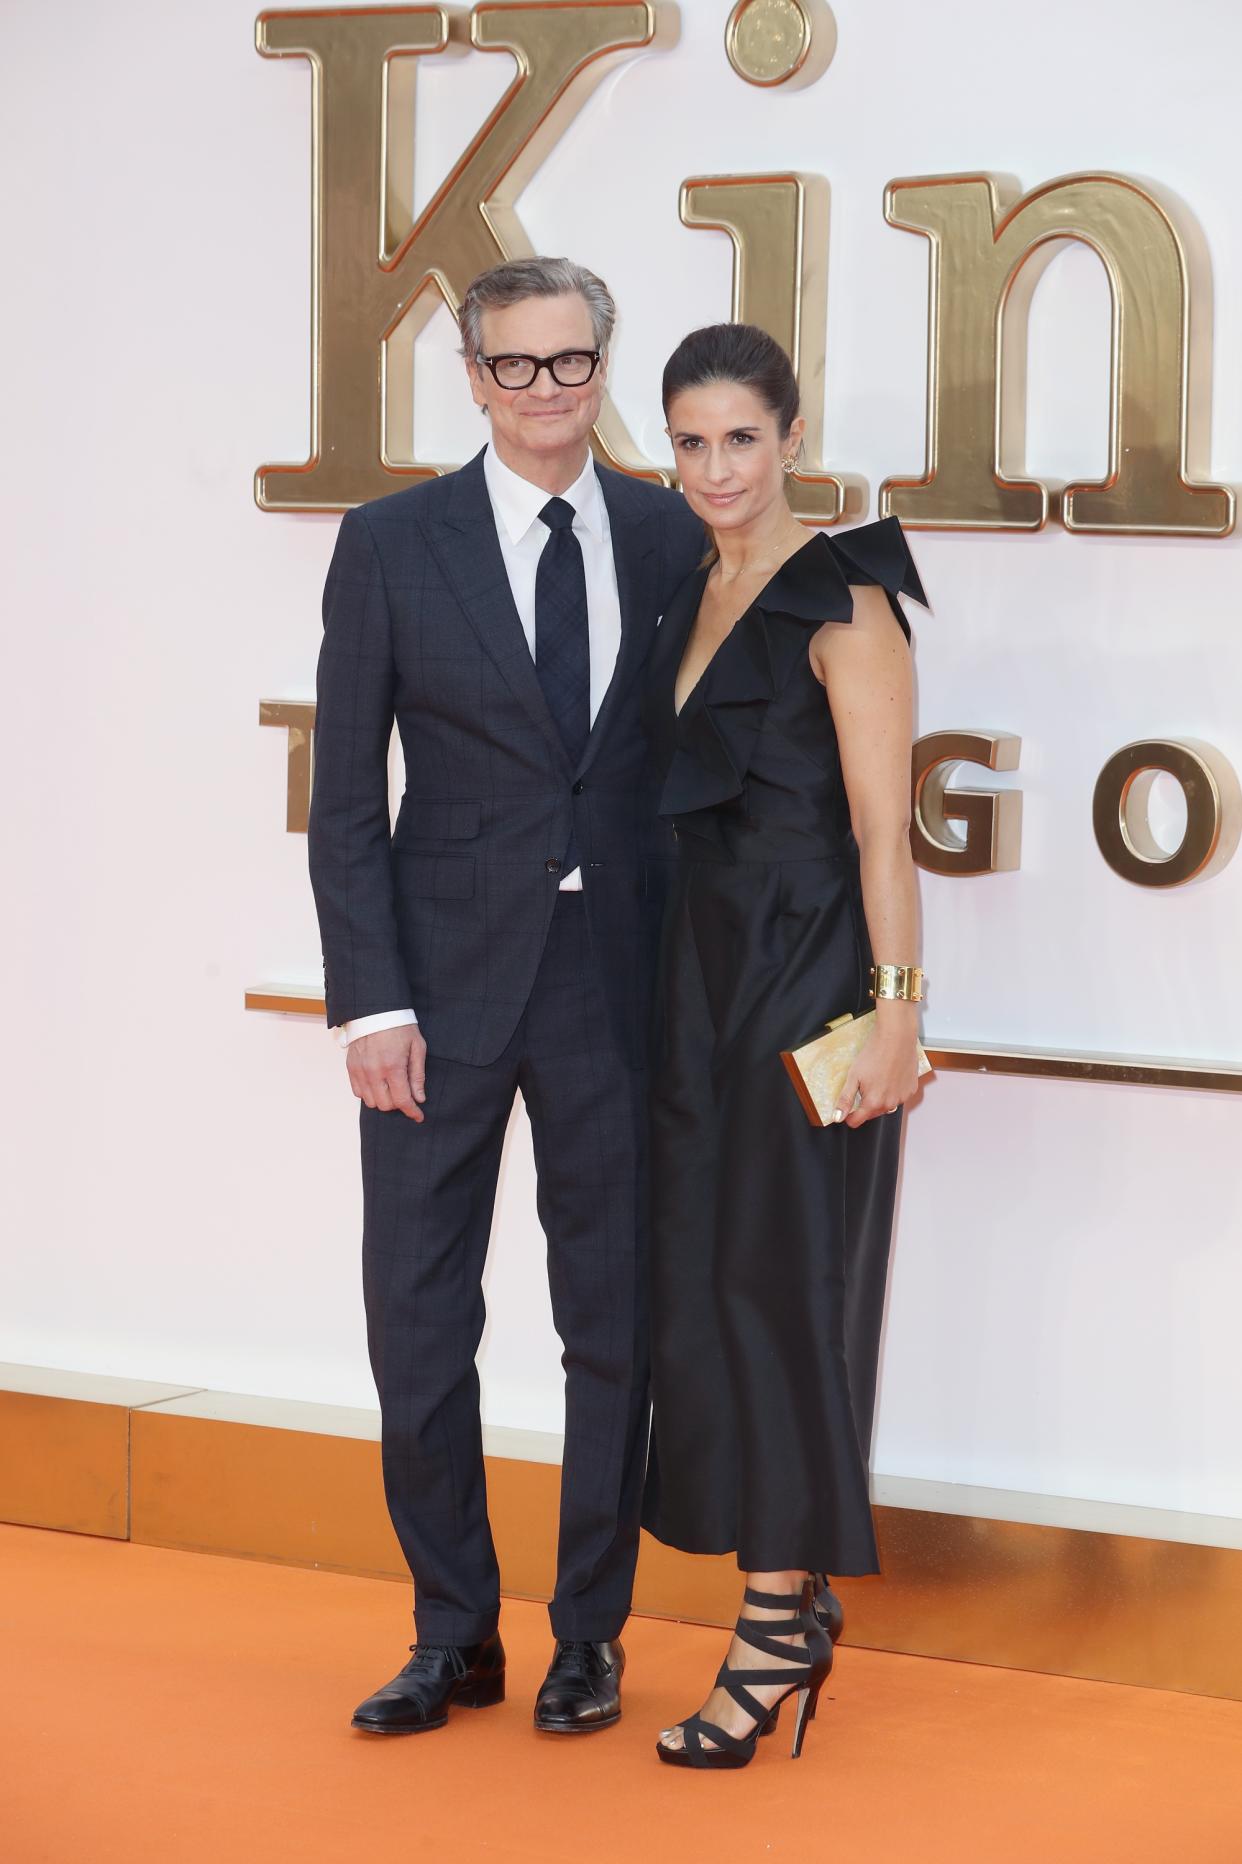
{"x":349,"y":1032}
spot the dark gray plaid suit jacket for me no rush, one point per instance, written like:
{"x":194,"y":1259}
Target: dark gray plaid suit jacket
{"x":449,"y":912}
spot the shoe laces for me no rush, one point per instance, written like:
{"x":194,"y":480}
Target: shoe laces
{"x":423,"y":1653}
{"x":576,"y":1655}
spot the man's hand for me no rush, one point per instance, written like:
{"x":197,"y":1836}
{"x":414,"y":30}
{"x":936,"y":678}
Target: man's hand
{"x":389,"y":1070}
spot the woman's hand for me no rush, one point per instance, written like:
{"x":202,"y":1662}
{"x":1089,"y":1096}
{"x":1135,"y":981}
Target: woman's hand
{"x":885,"y":1073}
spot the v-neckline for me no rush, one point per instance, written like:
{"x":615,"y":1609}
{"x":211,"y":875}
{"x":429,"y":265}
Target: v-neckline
{"x":679,"y":711}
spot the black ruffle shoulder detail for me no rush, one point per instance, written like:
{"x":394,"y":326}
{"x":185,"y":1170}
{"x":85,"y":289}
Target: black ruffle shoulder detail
{"x":723,"y":714}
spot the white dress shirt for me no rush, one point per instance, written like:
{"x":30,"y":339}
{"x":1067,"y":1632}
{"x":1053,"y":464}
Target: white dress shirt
{"x":522,"y":534}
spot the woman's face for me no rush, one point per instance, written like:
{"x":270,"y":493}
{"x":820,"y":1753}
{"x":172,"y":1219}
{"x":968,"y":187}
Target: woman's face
{"x":729,"y":451}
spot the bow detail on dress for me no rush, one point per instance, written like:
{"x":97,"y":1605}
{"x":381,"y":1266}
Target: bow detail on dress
{"x":722,"y":717}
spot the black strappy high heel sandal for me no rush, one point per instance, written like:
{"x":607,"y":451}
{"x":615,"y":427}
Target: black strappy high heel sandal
{"x":814,"y":1664}
{"x":830,"y":1614}
{"x":827,"y":1606}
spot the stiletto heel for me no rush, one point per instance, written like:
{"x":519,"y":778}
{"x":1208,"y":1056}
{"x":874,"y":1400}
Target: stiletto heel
{"x":813,"y":1661}
{"x":808,"y":1702}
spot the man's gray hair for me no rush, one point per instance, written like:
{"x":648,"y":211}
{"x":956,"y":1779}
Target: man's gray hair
{"x":517,"y":279}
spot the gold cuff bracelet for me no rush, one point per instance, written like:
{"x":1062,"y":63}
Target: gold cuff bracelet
{"x":903,"y":981}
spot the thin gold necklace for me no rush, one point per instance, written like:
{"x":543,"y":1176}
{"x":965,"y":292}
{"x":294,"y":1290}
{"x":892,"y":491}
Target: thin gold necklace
{"x":758,"y":563}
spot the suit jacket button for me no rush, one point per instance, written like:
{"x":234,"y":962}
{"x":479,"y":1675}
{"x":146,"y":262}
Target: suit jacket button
{"x":553,"y":865}
{"x":578,"y":788}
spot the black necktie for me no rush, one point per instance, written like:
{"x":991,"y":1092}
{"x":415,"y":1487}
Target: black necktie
{"x":562,"y":641}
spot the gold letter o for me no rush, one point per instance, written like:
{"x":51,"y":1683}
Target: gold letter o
{"x":1119,"y":811}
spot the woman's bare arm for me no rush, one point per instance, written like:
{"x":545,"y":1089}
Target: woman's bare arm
{"x":866,"y":672}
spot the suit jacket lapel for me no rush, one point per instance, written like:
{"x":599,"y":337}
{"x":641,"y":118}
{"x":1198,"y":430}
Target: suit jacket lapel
{"x":633,"y":553}
{"x":465,"y":540}
{"x":662,"y":720}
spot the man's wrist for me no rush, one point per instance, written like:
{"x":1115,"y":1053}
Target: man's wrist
{"x":358,"y":1026}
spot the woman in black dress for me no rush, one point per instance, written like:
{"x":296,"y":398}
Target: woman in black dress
{"x":779,"y":703}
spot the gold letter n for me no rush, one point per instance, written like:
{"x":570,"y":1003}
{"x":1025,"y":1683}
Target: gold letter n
{"x":985,"y":256}
{"x":377,"y":279}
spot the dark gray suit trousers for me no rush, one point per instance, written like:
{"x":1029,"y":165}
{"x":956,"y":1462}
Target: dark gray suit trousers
{"x":425,"y":1309}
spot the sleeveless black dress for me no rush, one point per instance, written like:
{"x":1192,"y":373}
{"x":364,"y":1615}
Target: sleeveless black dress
{"x":770,"y":1238}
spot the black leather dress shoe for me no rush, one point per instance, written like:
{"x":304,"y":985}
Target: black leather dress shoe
{"x":436,"y":1677}
{"x":582,"y":1689}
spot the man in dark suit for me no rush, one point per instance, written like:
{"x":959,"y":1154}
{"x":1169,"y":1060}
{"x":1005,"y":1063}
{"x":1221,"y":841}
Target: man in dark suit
{"x":501,"y":940}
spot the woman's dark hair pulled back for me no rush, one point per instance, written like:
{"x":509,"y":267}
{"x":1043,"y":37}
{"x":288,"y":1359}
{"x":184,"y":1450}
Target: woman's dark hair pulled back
{"x":740,"y":353}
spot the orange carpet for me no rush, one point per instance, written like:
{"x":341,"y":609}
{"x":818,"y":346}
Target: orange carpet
{"x":180,"y":1707}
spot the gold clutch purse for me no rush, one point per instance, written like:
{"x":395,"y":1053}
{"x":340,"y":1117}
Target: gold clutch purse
{"x":818,"y":1068}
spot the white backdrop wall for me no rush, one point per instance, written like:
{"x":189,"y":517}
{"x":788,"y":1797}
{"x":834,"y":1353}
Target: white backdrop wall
{"x":180,"y":1177}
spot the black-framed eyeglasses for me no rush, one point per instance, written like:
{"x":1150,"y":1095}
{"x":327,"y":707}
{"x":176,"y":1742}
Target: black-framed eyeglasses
{"x":570,"y":368}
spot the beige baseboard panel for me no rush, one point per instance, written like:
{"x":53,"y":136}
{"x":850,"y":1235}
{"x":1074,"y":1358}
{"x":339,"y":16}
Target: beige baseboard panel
{"x":1113,"y":1607}
{"x":64,"y":1447}
{"x":1098,"y":1595}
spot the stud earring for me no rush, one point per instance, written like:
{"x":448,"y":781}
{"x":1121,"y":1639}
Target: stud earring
{"x":790,"y":465}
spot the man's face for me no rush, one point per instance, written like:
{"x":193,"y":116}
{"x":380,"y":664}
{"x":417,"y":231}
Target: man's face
{"x":544,"y":418}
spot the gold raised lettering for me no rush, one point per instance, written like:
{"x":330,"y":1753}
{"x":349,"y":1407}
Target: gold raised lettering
{"x":297,"y":717}
{"x":985,"y":259}
{"x":378,"y":279}
{"x":779,"y":228}
{"x":1213,"y":811}
{"x":992,"y":838}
